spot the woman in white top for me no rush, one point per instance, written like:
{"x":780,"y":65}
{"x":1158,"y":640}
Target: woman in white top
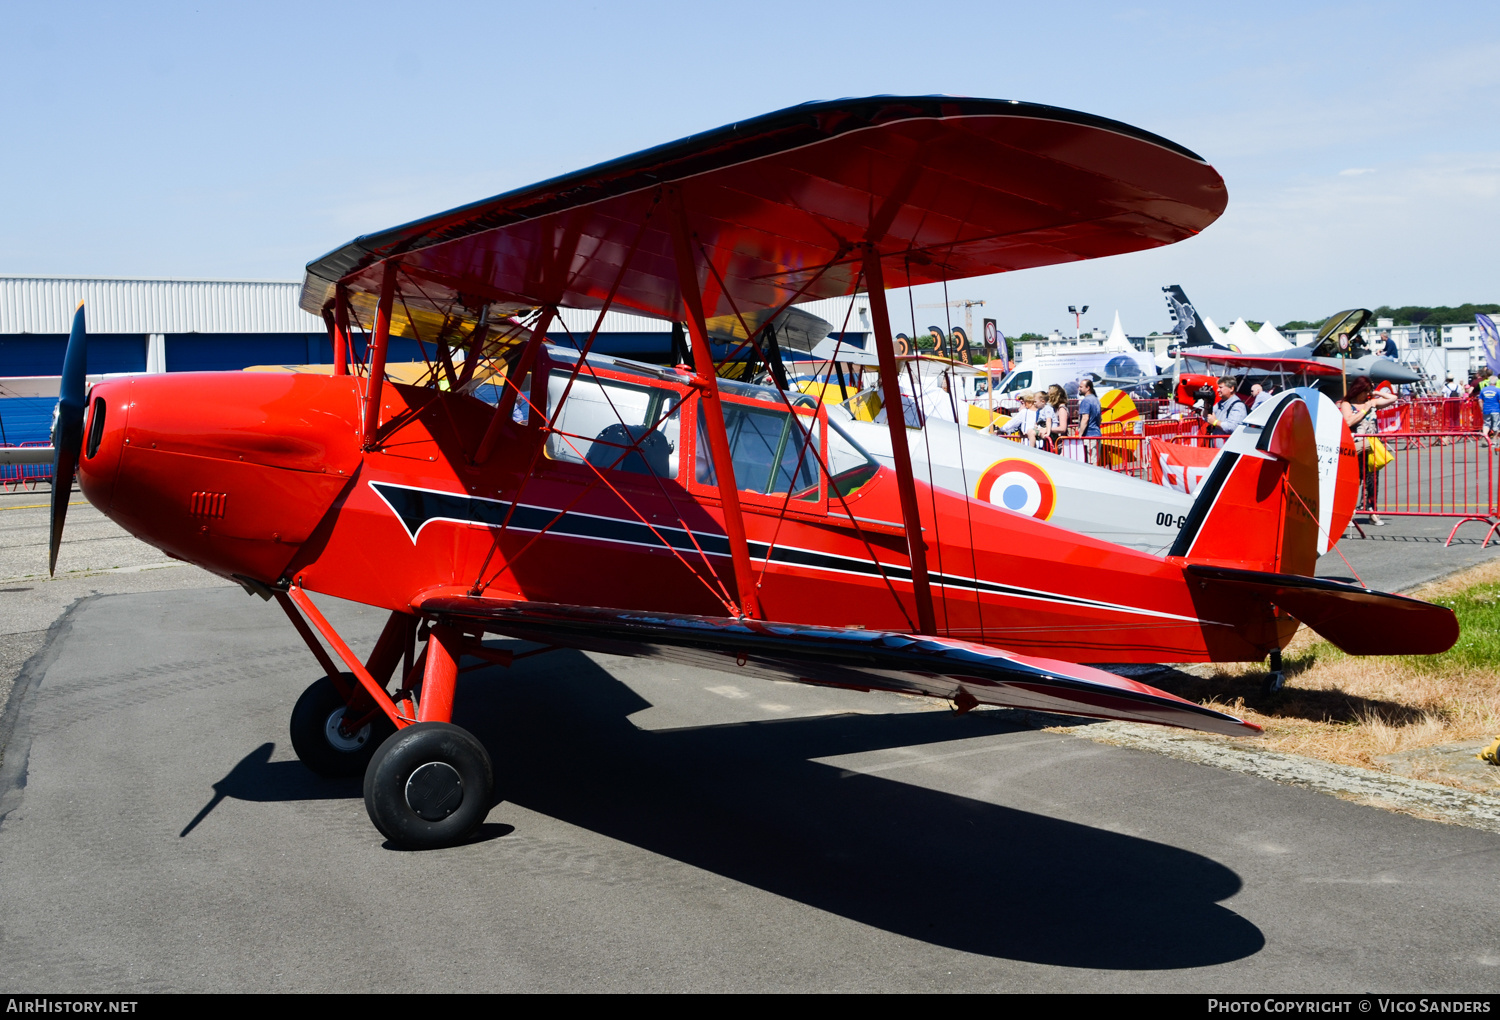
{"x":1025,"y":420}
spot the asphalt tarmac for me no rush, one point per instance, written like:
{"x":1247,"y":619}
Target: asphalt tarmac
{"x":661,"y":828}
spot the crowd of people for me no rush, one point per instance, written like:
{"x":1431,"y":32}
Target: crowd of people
{"x":1042,"y":420}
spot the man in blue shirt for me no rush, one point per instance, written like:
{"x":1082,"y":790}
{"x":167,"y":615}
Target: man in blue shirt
{"x":1089,"y":415}
{"x":1489,"y":403}
{"x":1229,"y":411}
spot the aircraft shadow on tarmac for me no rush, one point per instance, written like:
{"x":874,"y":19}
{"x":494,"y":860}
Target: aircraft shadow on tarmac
{"x":744,"y":801}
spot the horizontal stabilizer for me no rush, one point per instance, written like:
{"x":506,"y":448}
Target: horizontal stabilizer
{"x":962,"y":671}
{"x":1357,"y":620}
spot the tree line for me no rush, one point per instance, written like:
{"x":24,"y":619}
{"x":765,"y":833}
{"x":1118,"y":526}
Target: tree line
{"x":1413,"y":315}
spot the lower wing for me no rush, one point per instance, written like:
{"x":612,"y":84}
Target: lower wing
{"x":967,"y":673}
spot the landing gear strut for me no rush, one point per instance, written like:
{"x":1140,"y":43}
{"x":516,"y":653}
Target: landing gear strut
{"x":427,"y":784}
{"x":1275,"y":679}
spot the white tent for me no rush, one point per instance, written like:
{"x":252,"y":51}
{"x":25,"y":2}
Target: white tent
{"x":1271,"y":339}
{"x":1117,"y":340}
{"x":1241,"y":337}
{"x":1213,"y":330}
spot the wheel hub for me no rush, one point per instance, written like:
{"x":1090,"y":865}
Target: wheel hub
{"x":333,"y":729}
{"x":435,"y":791}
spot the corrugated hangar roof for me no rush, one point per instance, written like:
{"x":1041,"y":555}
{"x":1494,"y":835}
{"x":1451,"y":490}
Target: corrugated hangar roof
{"x":44,"y":304}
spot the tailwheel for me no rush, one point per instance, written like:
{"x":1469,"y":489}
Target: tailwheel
{"x":429,"y":785}
{"x":1276,"y":677}
{"x":321,"y":737}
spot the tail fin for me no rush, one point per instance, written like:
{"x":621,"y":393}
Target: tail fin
{"x":1258,"y":507}
{"x":1189,"y":324}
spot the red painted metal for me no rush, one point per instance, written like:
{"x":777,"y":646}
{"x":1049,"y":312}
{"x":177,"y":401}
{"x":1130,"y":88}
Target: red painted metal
{"x":14,"y":476}
{"x":389,"y":647}
{"x":1437,"y":474}
{"x":379,"y":341}
{"x":516,"y":376}
{"x":295,"y":510}
{"x":1432,"y":414}
{"x":712,"y":410}
{"x":341,"y":345}
{"x":959,"y":187}
{"x":444,"y":648}
{"x":372,"y":689}
{"x":313,"y":644}
{"x":890,"y":382}
{"x":476,"y":348}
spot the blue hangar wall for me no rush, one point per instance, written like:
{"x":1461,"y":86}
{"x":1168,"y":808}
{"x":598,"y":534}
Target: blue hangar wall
{"x":29,"y":419}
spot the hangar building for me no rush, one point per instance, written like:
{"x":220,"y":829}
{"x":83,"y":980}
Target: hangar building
{"x":138,"y":325}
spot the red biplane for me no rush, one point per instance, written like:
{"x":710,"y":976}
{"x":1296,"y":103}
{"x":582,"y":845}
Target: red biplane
{"x":600,"y":504}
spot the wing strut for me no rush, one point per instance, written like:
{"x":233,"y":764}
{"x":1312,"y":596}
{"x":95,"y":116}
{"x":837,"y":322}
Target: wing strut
{"x":378,"y":344}
{"x":890,"y":384}
{"x":713,"y":411}
{"x":341,"y":345}
{"x":516,"y":376}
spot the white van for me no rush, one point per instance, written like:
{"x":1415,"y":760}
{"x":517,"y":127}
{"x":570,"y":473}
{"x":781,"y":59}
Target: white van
{"x":1041,"y":371}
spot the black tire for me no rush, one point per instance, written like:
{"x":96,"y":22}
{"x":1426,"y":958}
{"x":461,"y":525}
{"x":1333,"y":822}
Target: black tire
{"x":317,"y":740}
{"x":429,"y":785}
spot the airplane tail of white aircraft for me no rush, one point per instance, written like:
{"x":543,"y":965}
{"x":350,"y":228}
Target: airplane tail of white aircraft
{"x":1189,"y":322}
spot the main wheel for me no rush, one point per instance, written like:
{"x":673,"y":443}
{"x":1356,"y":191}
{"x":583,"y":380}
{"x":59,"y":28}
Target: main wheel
{"x":319,"y":738}
{"x":429,"y":785}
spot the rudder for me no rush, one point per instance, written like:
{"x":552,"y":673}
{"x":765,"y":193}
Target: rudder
{"x":1258,"y":508}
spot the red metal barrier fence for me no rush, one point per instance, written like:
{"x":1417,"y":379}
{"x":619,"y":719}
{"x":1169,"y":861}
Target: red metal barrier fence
{"x":1432,"y":414}
{"x":1437,"y":474}
{"x":13,"y":477}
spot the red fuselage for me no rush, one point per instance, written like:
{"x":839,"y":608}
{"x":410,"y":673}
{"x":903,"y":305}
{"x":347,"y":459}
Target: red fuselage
{"x":265,"y":476}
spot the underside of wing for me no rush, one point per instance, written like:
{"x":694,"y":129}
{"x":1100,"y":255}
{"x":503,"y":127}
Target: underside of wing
{"x":944,"y":188}
{"x":941,"y":667}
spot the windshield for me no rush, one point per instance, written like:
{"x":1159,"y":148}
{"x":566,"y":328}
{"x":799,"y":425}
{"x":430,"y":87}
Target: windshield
{"x":770,"y":451}
{"x":1017,"y":381}
{"x":849,"y":465}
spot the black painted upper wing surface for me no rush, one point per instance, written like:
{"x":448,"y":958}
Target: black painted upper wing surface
{"x":778,"y":206}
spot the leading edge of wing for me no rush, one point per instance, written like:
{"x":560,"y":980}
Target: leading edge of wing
{"x":829,"y":656}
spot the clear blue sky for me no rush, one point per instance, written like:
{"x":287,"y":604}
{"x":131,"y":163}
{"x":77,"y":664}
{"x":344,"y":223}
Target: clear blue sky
{"x":1360,"y":141}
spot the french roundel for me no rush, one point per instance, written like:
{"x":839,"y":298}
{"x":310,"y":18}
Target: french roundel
{"x":1018,"y":485}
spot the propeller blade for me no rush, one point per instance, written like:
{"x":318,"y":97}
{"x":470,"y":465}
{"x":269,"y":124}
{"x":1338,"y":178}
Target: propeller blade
{"x":67,"y":430}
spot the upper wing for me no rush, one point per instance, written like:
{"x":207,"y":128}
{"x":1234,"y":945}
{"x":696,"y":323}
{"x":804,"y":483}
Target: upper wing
{"x":945,"y":188}
{"x":860,"y":659}
{"x":1264,"y":362}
